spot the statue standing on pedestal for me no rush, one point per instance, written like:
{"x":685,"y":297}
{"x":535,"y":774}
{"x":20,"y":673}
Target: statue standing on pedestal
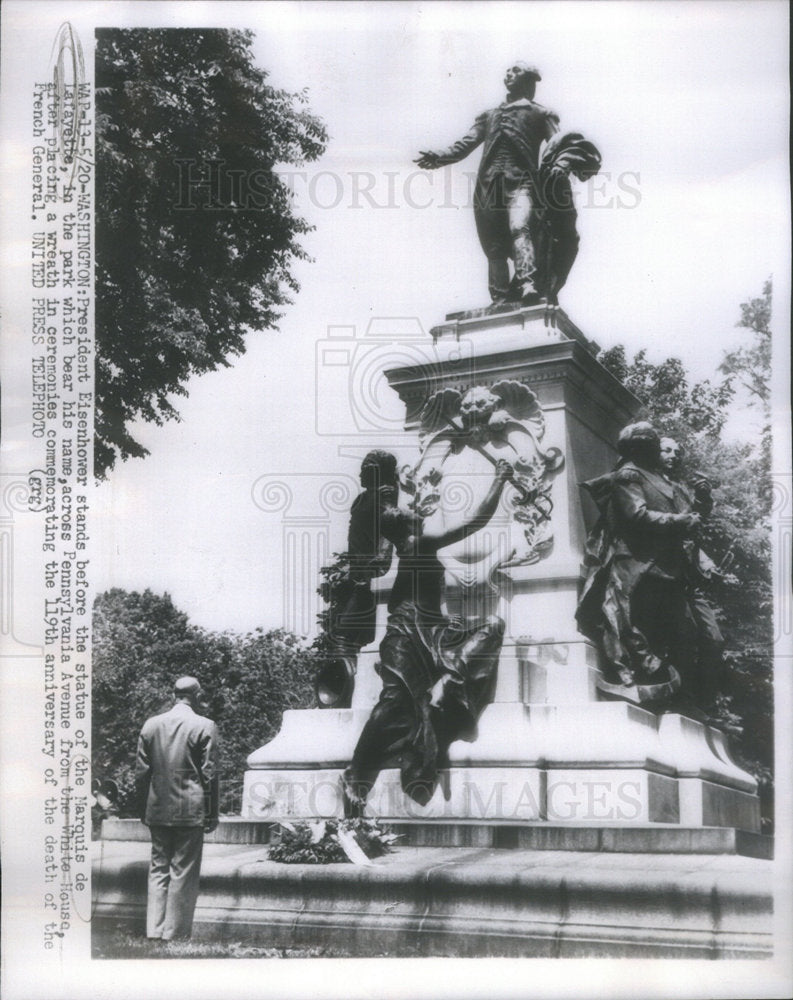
{"x":438,"y":675}
{"x":637,"y":602}
{"x":522,"y":201}
{"x":347,"y":586}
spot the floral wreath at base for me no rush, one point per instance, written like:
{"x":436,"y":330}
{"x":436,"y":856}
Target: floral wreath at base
{"x":329,"y":841}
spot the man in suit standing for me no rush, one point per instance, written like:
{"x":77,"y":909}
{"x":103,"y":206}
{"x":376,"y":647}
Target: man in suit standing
{"x":507,"y":182}
{"x":177,"y":783}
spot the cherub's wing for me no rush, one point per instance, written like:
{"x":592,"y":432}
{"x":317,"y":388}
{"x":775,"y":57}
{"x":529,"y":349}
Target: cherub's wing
{"x":520,"y":403}
{"x":439,"y":411}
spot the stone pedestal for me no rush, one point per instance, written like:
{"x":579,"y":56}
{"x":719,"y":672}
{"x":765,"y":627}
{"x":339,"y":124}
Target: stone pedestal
{"x":548,"y":749}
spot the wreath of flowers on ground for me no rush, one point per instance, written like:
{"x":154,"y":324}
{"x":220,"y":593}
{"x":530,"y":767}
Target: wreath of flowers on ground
{"x":328,"y":841}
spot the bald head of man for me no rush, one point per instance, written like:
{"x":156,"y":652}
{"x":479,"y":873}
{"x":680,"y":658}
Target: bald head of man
{"x":187,"y":689}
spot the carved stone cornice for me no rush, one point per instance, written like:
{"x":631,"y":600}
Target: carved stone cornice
{"x":565,"y":363}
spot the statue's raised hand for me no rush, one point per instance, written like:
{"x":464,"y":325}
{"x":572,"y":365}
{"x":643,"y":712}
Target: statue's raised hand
{"x":504,"y":471}
{"x":702,"y":486}
{"x":428,"y":160}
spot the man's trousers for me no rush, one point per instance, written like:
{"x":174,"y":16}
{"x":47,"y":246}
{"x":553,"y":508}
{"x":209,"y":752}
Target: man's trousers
{"x":173,"y":880}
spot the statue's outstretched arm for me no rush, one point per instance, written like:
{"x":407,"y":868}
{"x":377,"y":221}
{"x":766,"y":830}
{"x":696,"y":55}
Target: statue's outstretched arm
{"x":440,"y":539}
{"x":428,"y":160}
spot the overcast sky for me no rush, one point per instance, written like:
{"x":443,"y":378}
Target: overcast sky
{"x":688,"y":105}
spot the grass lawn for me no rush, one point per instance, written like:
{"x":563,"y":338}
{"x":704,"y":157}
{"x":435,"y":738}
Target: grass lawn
{"x":123,"y":944}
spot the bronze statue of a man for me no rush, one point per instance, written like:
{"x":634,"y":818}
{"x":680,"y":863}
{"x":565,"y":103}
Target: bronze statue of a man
{"x":635,"y":603}
{"x":507,"y":182}
{"x":347,"y":587}
{"x":706,"y":679}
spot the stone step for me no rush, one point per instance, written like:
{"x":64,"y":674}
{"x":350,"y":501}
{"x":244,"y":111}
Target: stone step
{"x":463,"y":902}
{"x":655,"y":838}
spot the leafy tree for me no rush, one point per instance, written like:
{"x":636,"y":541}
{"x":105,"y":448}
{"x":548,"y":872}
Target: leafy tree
{"x":748,"y":367}
{"x":668,"y":395}
{"x":196,"y":233}
{"x":738,"y":535}
{"x":262,"y":674}
{"x":142,"y":643}
{"x":750,"y":364}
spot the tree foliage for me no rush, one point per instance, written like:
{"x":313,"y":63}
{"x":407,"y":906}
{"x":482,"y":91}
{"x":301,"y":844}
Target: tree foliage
{"x":668,"y":395}
{"x":748,"y":367}
{"x":738,"y":535}
{"x":142,"y":643}
{"x":196,"y":233}
{"x":750,"y":364}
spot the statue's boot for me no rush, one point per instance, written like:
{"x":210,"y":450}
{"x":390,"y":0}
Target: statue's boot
{"x":525,"y":271}
{"x":498,"y":281}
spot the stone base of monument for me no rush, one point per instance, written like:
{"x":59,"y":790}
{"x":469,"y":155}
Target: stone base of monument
{"x":471,"y":901}
{"x":605,"y":762}
{"x":644,"y":838}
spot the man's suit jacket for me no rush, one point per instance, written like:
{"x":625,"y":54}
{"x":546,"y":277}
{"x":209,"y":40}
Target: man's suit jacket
{"x":176,"y":775}
{"x":523,"y":123}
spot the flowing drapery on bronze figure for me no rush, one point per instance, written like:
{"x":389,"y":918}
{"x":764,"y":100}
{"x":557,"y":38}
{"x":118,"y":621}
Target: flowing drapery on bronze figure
{"x":637,"y":603}
{"x":552,"y":224}
{"x":438,"y":675}
{"x":523,"y":200}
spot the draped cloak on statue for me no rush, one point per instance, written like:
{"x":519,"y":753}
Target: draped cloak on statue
{"x":421,"y":651}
